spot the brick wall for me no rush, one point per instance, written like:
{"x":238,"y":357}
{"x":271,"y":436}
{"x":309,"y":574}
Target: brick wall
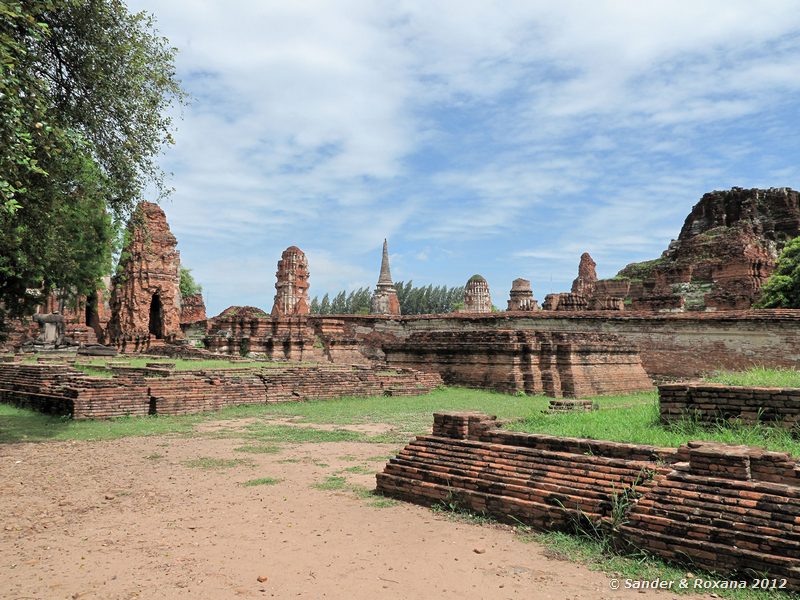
{"x":731,"y":509}
{"x":60,"y":389}
{"x":711,"y":402}
{"x":672,"y":346}
{"x":551,"y":363}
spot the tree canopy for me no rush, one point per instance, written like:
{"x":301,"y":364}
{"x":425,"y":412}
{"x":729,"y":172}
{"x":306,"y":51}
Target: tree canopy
{"x":413,"y":300}
{"x":188,"y":286}
{"x":85,"y":88}
{"x":782,"y":289}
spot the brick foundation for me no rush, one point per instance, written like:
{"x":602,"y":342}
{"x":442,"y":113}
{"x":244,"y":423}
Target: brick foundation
{"x":730,"y":509}
{"x":60,"y":389}
{"x":554,"y":364}
{"x":711,"y":402}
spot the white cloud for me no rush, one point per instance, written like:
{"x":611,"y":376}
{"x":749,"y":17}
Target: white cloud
{"x":519,"y":126}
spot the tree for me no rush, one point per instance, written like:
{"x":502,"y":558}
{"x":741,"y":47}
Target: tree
{"x":84,"y":92}
{"x":422,"y":300}
{"x":782,"y":289}
{"x":188,"y":286}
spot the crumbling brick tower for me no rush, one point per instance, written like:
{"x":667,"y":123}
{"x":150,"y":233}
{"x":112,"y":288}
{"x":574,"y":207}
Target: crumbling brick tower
{"x":476,"y":295}
{"x":587,"y":276}
{"x":145,"y":294}
{"x":291,"y":296}
{"x":521,"y":296}
{"x":384,"y":300}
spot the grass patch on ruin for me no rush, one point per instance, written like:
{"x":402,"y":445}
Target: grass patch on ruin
{"x":639,"y":423}
{"x":757,"y":377}
{"x":261,"y":481}
{"x":181,"y":364}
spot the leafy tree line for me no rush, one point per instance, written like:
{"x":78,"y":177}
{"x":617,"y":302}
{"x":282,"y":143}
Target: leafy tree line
{"x":84,"y":91}
{"x":428,"y":299}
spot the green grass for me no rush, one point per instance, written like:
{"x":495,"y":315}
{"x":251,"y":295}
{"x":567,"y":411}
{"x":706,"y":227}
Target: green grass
{"x":411,"y":414}
{"x":154,"y":456}
{"x":260,"y":449}
{"x":206,"y":462}
{"x":22,"y":425}
{"x":261,"y":481}
{"x":632,"y":418}
{"x":265,"y":432}
{"x":638,"y":566}
{"x":359,"y":469}
{"x":331,"y":483}
{"x":639,"y":423}
{"x":757,"y":377}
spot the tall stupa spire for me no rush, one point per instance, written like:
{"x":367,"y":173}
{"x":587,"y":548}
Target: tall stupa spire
{"x":385,"y":277}
{"x":384,"y":300}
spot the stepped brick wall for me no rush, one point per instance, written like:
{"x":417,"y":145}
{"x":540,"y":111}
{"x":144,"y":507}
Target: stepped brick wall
{"x":555,"y":364}
{"x":61,"y":389}
{"x":711,"y":402}
{"x":671,"y":345}
{"x":731,"y":509}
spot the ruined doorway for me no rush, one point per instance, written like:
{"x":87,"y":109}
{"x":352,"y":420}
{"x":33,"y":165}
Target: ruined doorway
{"x":156,"y":325}
{"x":92,"y":317}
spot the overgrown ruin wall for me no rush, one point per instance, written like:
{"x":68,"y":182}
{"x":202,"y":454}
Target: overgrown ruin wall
{"x":713,"y":402}
{"x":729,"y":509}
{"x":61,"y":389}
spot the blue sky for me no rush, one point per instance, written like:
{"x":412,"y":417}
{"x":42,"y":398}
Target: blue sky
{"x":500,"y":138}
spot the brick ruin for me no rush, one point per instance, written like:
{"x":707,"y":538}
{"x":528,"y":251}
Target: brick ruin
{"x":384,"y":299}
{"x":728,"y":247}
{"x":585,"y":294}
{"x":291,"y":296}
{"x":727,"y":509}
{"x":160,"y":389}
{"x":477,"y":298}
{"x":193,"y":309}
{"x":585,"y":283}
{"x":511,"y":361}
{"x":521,"y":296}
{"x":145,"y":294}
{"x":726,"y":250}
{"x":713,"y":403}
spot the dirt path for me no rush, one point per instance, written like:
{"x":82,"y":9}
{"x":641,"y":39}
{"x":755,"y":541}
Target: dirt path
{"x":130,"y":519}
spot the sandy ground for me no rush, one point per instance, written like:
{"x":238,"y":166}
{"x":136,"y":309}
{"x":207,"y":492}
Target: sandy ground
{"x":130,"y":519}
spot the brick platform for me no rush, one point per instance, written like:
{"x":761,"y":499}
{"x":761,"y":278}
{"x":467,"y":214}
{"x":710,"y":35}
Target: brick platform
{"x":554,"y":364}
{"x":61,"y":389}
{"x":730,"y":509}
{"x":712,"y":402}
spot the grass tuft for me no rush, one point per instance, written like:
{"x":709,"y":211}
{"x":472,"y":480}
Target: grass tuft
{"x":261,"y":481}
{"x":331,"y":483}
{"x":206,"y":462}
{"x":259,"y":449}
